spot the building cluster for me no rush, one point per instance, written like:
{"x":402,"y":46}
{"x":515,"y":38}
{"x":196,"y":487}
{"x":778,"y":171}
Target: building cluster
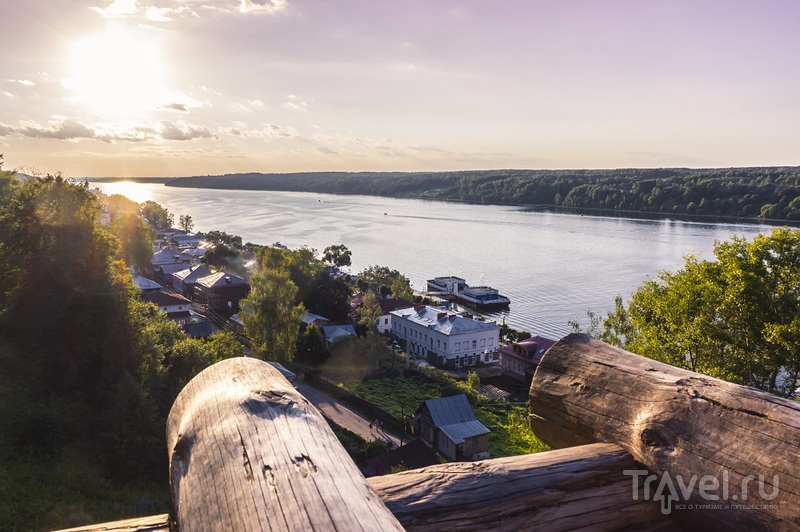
{"x":188,"y":292}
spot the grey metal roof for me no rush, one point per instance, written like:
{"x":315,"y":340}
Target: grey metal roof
{"x":193,"y":273}
{"x":332,"y":332}
{"x":221,"y":279}
{"x":450,"y":410}
{"x":458,"y":432}
{"x":439,"y":319}
{"x":146,"y":284}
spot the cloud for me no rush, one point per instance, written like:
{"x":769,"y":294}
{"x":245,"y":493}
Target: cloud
{"x":181,"y":107}
{"x":119,"y":8}
{"x":262,"y":6}
{"x":295,"y":103}
{"x":268,"y":132}
{"x":183,"y":131}
{"x":69,"y":129}
{"x":169,"y":10}
{"x":26,"y":82}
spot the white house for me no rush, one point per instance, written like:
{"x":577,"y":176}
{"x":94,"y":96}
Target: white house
{"x":444,"y":338}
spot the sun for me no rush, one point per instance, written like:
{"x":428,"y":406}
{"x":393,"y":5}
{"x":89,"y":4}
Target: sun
{"x":118,"y":74}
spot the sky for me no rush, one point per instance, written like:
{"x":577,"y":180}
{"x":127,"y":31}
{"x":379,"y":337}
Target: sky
{"x":133,"y":88}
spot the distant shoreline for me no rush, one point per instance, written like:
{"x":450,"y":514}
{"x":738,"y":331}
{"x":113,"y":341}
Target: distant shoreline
{"x":681,"y":194}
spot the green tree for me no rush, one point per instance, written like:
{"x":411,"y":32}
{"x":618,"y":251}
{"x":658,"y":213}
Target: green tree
{"x":136,"y":240}
{"x":736,"y":318}
{"x":337,"y":254}
{"x":271,"y":315}
{"x":185,"y":223}
{"x":156,"y":215}
{"x":369,"y":312}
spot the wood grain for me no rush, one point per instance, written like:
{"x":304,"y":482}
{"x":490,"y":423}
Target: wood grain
{"x":581,"y":487}
{"x":153,"y":523}
{"x":249,"y":452}
{"x":676,"y":421}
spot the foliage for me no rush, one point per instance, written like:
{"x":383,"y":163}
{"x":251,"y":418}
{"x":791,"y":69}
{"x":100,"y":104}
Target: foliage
{"x":221,"y":237}
{"x":385,"y":282}
{"x":136,"y":240}
{"x":270,"y":315}
{"x":735,"y":318}
{"x":185,"y":223}
{"x":88,"y":372}
{"x":509,"y":335}
{"x":337,"y":254}
{"x":369,"y":312}
{"x":311,"y":346}
{"x":757,"y":193}
{"x":356,"y":446}
{"x":156,"y":215}
{"x":473,"y":380}
{"x":329,"y":297}
{"x":511,"y":433}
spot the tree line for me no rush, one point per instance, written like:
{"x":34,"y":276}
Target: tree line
{"x":760,"y":193}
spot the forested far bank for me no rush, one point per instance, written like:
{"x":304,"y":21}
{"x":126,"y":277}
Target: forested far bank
{"x":764,"y":193}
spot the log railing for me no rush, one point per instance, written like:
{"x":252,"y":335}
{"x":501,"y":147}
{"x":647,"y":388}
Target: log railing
{"x":637,"y":442}
{"x":735,"y":448}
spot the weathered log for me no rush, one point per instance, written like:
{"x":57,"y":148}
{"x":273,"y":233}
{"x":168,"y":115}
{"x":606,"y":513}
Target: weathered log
{"x":248,"y":452}
{"x":734,"y":447}
{"x":153,"y":523}
{"x":581,"y":487}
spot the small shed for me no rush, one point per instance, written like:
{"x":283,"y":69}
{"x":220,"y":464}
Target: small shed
{"x":449,"y":425}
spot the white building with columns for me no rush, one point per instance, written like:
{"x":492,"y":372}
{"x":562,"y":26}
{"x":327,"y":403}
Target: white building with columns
{"x":445,"y":338}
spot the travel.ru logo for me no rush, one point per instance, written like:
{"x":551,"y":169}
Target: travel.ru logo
{"x":676,"y":493}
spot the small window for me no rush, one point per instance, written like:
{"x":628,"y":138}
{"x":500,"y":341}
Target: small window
{"x":474,"y":344}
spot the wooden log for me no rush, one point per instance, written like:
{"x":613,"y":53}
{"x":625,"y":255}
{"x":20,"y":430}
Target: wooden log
{"x":734,"y":447}
{"x":153,"y":523}
{"x":581,"y":487}
{"x":248,"y":452}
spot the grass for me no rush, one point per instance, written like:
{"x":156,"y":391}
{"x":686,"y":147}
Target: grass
{"x":70,"y":490}
{"x":511,"y":434}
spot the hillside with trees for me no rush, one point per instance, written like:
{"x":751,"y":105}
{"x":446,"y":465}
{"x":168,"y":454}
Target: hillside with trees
{"x":768,"y":193}
{"x":88,"y":372}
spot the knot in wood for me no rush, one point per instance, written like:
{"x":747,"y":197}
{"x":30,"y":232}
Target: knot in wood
{"x":651,"y":438}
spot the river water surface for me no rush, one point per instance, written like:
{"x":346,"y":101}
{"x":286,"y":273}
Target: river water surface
{"x":554,"y":267}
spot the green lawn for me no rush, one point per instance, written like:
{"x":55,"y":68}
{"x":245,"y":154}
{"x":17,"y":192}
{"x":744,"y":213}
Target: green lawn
{"x":511,"y":435}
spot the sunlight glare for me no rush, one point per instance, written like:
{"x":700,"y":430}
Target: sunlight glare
{"x":117,"y":74}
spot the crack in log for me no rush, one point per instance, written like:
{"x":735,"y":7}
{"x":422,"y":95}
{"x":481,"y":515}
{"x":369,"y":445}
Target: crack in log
{"x":305,"y":465}
{"x":269,"y":476}
{"x":246,"y":458}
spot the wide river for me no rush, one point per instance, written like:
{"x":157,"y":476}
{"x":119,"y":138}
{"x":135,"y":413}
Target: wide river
{"x":554,"y":267}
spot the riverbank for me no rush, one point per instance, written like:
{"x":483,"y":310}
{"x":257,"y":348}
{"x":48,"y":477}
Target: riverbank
{"x":759,"y":196}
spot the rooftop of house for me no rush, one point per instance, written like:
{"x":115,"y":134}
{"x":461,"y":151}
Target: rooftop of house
{"x":332,"y":332}
{"x":310,"y":318}
{"x":439,"y":319}
{"x":192,"y":274}
{"x":532,"y":348}
{"x":144,"y":284}
{"x":449,"y":410}
{"x":169,"y":256}
{"x":458,"y":432}
{"x":165,"y":299}
{"x":220,"y":279}
{"x":389,"y":305}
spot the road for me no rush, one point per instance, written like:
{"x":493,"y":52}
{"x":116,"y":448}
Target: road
{"x":344,"y":416}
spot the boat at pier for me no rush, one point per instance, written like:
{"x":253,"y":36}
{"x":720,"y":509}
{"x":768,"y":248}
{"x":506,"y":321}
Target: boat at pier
{"x":479,"y":297}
